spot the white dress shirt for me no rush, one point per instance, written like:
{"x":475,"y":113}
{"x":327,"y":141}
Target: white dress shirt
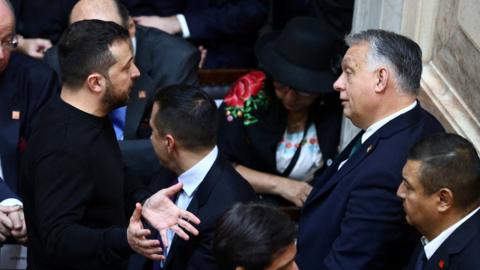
{"x":183,"y":25}
{"x":191,"y":179}
{"x":431,"y":246}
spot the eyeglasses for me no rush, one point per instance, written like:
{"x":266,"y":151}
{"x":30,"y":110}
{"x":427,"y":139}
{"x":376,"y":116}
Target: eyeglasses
{"x":9,"y":43}
{"x":284,"y":88}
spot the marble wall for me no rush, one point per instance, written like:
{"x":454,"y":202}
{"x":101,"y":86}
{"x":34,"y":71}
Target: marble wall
{"x":449,"y":33}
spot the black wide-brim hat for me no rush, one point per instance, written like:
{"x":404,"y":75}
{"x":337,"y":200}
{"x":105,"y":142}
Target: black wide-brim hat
{"x":300,"y":56}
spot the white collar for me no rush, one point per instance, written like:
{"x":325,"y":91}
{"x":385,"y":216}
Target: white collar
{"x":134,"y":45}
{"x":377,"y":125}
{"x":192,"y":177}
{"x":431,"y":246}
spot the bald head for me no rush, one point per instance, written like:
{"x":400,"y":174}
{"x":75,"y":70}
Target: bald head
{"x":6,"y":13}
{"x":105,"y":10}
{"x":7,"y":31}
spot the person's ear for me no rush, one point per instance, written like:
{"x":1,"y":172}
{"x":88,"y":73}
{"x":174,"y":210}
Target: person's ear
{"x":382,"y":75}
{"x":131,"y":27}
{"x":96,"y":82}
{"x":170,"y":143}
{"x":445,"y":199}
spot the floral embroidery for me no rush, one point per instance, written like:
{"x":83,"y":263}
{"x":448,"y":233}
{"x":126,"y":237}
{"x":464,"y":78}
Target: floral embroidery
{"x":245,"y":96}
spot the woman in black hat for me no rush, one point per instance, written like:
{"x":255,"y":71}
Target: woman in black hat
{"x":281,"y":128}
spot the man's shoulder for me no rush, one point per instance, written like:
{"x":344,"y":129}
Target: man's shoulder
{"x":29,"y":67}
{"x":229,"y":181}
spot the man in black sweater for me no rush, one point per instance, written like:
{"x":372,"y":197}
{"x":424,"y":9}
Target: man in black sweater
{"x":77,"y":193}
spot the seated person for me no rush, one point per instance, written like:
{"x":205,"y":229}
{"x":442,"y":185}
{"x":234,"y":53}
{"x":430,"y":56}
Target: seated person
{"x":254,"y":237}
{"x":225,"y":29}
{"x":282,"y":133}
{"x":440,"y":193}
{"x":184,"y":138}
{"x":25,"y":86}
{"x":36,"y":33}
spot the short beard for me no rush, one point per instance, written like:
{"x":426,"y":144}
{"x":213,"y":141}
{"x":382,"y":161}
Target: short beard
{"x":110,"y":100}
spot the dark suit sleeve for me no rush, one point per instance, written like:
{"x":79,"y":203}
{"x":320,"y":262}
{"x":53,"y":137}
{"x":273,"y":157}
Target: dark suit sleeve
{"x":202,"y":257}
{"x":63,"y":188}
{"x":173,"y":60}
{"x":5,"y":192}
{"x":230,"y":19}
{"x":51,"y":59}
{"x":42,"y":83}
{"x":183,"y":66}
{"x":371,"y":222}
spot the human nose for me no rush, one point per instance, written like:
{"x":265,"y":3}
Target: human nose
{"x":135,"y":71}
{"x":401,"y":191}
{"x":339,"y":84}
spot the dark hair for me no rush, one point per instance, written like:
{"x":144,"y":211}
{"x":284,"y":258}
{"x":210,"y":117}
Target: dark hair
{"x":84,"y":49}
{"x":402,"y":54}
{"x":252,"y":236}
{"x":189,"y":114}
{"x":122,"y":13}
{"x":449,"y":161}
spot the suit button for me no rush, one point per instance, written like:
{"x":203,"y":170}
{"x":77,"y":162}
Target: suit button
{"x":329,"y":162}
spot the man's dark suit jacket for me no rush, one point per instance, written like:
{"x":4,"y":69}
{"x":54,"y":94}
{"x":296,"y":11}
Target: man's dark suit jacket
{"x":458,"y":252}
{"x":228,"y":29}
{"x":221,"y":188}
{"x":25,"y":86}
{"x":5,"y":192}
{"x":352,"y":219}
{"x":50,"y":24}
{"x":162,"y":60}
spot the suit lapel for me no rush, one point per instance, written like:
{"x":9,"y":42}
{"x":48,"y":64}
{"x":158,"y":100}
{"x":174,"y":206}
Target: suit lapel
{"x":141,"y":98}
{"x":200,"y":197}
{"x":13,"y":114}
{"x":455,"y":243}
{"x":330,"y":179}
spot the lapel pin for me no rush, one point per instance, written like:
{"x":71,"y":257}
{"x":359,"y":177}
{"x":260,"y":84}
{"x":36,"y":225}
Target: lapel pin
{"x":369,"y":148}
{"x":15,"y":115}
{"x":441,"y":264}
{"x":142,"y":94}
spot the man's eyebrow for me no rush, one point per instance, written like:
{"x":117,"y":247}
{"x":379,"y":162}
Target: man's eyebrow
{"x":405,"y":180}
{"x":128,"y":62}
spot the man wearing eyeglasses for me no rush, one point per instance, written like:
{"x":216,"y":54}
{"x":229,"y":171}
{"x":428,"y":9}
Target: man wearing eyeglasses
{"x":25,"y":85}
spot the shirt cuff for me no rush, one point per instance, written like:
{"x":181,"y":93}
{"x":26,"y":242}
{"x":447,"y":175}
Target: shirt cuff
{"x":183,"y":24}
{"x":11,"y":202}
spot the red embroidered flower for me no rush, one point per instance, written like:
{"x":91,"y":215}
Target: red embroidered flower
{"x":245,"y":97}
{"x":441,"y":264}
{"x":245,"y":87}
